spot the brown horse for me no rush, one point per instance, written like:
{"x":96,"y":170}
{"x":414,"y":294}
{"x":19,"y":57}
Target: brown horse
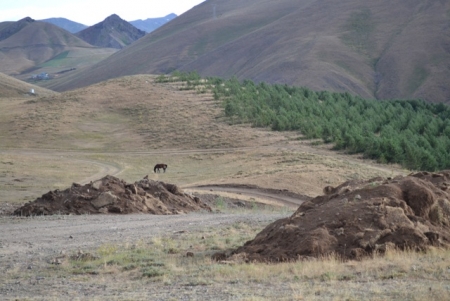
{"x":160,"y":166}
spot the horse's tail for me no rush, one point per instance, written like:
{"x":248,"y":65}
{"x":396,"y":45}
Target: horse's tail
{"x":154,"y":169}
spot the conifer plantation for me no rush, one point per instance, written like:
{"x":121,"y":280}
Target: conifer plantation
{"x":413,"y":133}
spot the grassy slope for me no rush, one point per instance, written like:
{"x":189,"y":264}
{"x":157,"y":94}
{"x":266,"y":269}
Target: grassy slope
{"x":11,"y":87}
{"x":33,"y":46}
{"x":374,"y":49}
{"x":131,"y":123}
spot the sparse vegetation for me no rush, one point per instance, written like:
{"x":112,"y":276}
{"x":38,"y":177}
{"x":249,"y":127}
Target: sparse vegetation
{"x":358,"y":29}
{"x":163,"y":261}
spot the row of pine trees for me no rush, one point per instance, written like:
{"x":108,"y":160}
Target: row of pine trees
{"x":412,"y":133}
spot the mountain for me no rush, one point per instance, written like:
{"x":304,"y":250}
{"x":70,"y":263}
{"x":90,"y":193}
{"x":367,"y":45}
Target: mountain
{"x":150,"y":24}
{"x":377,"y":49}
{"x":113,"y":32}
{"x":8,"y":29}
{"x":28,"y":43}
{"x":70,"y":26}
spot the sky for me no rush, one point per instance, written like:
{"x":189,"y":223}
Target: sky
{"x":90,"y":12}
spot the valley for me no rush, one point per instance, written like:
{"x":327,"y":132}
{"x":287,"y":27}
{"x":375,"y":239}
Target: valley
{"x":134,"y":123}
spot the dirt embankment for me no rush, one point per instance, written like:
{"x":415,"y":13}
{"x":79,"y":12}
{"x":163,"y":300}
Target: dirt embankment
{"x":360,"y":218}
{"x":113,"y":195}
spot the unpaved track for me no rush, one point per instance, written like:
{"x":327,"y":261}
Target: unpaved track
{"x":51,"y":234}
{"x":281,"y":197}
{"x":30,"y":245}
{"x":105,"y":169}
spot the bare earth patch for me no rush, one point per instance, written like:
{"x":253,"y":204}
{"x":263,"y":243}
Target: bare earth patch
{"x":113,"y":195}
{"x":360,"y":218}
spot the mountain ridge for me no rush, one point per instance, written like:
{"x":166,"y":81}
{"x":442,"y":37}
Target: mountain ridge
{"x":150,"y":24}
{"x":69,"y":25}
{"x":379,"y":50}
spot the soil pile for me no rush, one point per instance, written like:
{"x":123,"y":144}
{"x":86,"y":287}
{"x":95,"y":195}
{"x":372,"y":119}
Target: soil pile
{"x":360,"y":218}
{"x":112,"y":195}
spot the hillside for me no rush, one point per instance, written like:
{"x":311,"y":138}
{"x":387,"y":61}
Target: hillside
{"x":11,"y":87}
{"x":127,"y":125}
{"x":8,"y":29}
{"x":29,"y":43}
{"x":70,"y":26}
{"x":379,"y":49}
{"x":113,"y":32}
{"x":150,"y":24}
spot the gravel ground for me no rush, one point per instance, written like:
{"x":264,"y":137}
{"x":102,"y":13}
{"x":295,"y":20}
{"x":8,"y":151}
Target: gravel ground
{"x":27,"y":244}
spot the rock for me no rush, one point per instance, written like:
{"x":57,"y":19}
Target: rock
{"x":104,"y":199}
{"x":97,"y":184}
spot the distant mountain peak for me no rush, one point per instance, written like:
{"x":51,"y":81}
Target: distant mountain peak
{"x":150,"y":24}
{"x":114,"y":17}
{"x":15,"y":27}
{"x":27,"y":20}
{"x":113,"y":32}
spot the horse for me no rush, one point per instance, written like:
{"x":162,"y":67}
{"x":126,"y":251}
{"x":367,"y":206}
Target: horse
{"x":160,"y":166}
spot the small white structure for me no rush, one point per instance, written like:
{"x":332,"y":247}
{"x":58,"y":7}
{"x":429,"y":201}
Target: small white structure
{"x":32,"y":91}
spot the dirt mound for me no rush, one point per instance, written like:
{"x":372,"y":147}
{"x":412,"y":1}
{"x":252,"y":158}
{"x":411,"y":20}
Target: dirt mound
{"x":112,"y":195}
{"x":360,"y":218}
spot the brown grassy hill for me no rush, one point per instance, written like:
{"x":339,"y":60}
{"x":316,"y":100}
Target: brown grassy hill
{"x":113,"y":32}
{"x":7,"y":29}
{"x":36,"y":42}
{"x":11,"y":87}
{"x":127,"y":125}
{"x":382,"y":49}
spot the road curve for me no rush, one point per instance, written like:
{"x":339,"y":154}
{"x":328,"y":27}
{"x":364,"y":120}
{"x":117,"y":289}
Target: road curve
{"x":283,"y":197}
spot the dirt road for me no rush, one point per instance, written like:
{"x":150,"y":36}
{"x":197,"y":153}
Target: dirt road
{"x":276,"y":196}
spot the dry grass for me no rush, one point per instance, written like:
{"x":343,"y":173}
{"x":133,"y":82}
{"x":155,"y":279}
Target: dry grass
{"x":162,"y":263}
{"x":125,"y":126}
{"x":11,"y":87}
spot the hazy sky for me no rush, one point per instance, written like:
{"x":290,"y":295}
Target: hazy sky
{"x":90,"y":12}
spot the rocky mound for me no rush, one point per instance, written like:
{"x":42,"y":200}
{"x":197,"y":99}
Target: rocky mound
{"x":112,"y":195}
{"x":360,"y":218}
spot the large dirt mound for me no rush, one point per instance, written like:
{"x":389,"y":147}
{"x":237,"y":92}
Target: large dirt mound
{"x":112,"y":195}
{"x":360,"y":218}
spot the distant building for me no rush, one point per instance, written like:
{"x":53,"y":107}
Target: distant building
{"x":40,"y":76}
